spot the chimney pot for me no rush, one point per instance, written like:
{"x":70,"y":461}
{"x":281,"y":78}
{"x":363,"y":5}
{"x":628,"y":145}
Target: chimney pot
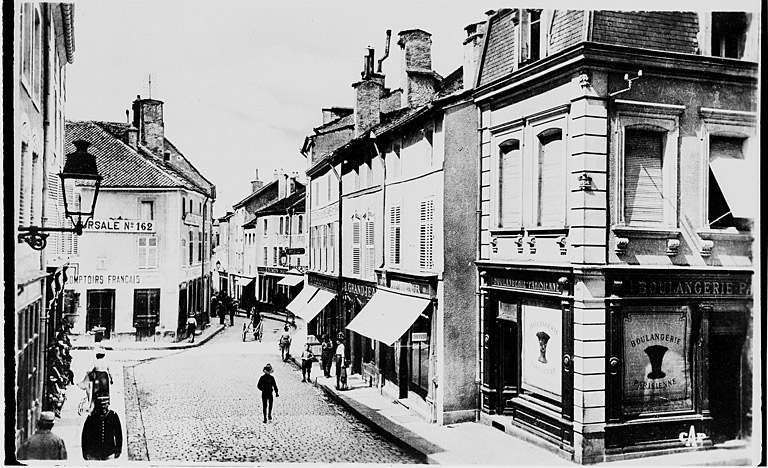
{"x":418,"y":81}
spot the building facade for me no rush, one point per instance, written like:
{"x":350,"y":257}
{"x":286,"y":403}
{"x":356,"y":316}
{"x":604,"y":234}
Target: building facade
{"x":43,"y":45}
{"x":616,"y":252}
{"x":146,"y":269}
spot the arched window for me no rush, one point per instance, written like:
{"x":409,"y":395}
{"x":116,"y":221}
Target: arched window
{"x":551,"y":180}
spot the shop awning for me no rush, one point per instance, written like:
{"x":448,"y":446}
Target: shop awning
{"x":291,"y":280}
{"x":301,"y":299}
{"x":387,"y":316}
{"x":733,"y":176}
{"x":245,"y":281}
{"x":315,"y":305}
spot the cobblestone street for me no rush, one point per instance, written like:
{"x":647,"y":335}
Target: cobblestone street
{"x":202,"y":405}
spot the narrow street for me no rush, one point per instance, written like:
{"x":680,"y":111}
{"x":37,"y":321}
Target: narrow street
{"x":202,"y":405}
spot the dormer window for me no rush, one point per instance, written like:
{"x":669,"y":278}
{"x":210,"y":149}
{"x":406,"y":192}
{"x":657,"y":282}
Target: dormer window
{"x":729,"y":33}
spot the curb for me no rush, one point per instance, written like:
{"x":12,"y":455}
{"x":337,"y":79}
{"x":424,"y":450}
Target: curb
{"x":172,"y":346}
{"x":400,"y":436}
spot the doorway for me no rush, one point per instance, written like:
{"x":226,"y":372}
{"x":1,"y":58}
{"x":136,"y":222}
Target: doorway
{"x":100,"y":310}
{"x":725,"y":398}
{"x":507,"y":359}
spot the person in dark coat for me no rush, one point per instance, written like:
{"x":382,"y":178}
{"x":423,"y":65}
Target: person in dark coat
{"x":44,"y":445}
{"x":221,"y":309}
{"x":326,"y":356}
{"x":102,"y":434}
{"x":266,"y":384}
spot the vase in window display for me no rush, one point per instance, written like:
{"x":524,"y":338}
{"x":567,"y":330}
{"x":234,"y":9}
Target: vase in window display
{"x":656,"y":355}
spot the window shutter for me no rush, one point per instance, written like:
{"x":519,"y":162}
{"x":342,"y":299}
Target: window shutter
{"x":22,"y":185}
{"x":54,"y":212}
{"x":551,"y":181}
{"x":643,"y":194}
{"x":152,"y":252}
{"x":426,"y":215}
{"x":369,"y":247}
{"x":525,"y":51}
{"x":394,"y":235}
{"x":332,"y":246}
{"x":356,"y":246}
{"x":511,"y":197}
{"x":142,"y":252}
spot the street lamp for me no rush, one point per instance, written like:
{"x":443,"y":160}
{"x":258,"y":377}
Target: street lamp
{"x":79,"y":171}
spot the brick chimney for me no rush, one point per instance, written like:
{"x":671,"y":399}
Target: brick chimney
{"x":473,"y":45}
{"x":133,"y":137}
{"x":368,"y":92}
{"x":418,"y":80}
{"x":256,"y":184}
{"x":148,"y":119}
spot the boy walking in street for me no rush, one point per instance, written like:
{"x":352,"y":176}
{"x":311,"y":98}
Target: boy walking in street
{"x":266,"y":384}
{"x":285,"y":344}
{"x":306,"y":363}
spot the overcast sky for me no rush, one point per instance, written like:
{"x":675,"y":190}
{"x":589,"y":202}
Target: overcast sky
{"x":244,"y":82}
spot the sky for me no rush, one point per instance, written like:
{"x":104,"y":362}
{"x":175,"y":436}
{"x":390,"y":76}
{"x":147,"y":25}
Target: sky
{"x":243,"y":82}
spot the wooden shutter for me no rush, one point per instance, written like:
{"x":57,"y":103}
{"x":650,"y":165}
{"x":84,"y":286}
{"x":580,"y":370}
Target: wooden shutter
{"x":152,"y":252}
{"x":394,"y":235}
{"x":356,"y":246}
{"x":142,"y":252}
{"x":551,"y":180}
{"x":643,"y":183}
{"x":510,"y":176}
{"x":426,"y":215}
{"x":369,"y":246}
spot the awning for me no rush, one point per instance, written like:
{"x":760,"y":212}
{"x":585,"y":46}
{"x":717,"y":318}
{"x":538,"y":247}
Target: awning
{"x":733,"y":176}
{"x":244,"y":282}
{"x":291,"y":280}
{"x":301,"y":299}
{"x":315,"y":305}
{"x":387,"y":316}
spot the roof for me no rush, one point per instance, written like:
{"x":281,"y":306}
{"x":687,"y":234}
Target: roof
{"x":122,"y":166}
{"x":333,"y":125}
{"x":253,"y":195}
{"x":294,"y":200}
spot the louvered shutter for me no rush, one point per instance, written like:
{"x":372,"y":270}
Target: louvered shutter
{"x":152,"y":252}
{"x":369,"y":247}
{"x":551,"y":180}
{"x":394,"y":235}
{"x":356,"y":246}
{"x":510,"y":175}
{"x":332,"y":245}
{"x":52,"y":208}
{"x":22,"y":185}
{"x":426,"y":214}
{"x":643,"y":192}
{"x":142,"y":252}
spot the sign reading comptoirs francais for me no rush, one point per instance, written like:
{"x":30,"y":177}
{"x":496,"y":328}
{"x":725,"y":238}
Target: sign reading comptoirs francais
{"x":119,"y":225}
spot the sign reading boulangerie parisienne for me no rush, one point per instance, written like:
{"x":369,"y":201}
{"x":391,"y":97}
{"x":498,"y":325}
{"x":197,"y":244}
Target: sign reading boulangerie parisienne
{"x":542,"y":350}
{"x":657,"y":372}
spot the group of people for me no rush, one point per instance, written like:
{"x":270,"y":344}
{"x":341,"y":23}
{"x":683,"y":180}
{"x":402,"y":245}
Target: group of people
{"x":102,"y":435}
{"x":59,"y":361}
{"x":223,"y":305}
{"x":334,"y":354}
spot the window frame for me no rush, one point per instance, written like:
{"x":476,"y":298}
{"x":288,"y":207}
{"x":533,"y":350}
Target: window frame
{"x":396,"y":245}
{"x":538,"y":125}
{"x":356,"y":263}
{"x":664,"y":118}
{"x":150,"y":252}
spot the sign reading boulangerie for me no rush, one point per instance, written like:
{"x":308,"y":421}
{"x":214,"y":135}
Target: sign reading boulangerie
{"x":542,"y":350}
{"x":657,"y":371}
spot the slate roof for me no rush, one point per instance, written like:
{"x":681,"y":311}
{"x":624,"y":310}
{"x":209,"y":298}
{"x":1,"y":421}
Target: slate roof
{"x":296,"y":198}
{"x":333,"y":125}
{"x":123,"y":166}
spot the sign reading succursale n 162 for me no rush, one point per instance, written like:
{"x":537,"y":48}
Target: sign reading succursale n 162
{"x":119,"y":225}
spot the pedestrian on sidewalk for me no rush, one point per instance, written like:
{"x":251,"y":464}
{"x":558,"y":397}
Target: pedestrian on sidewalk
{"x":102,"y":434}
{"x":326,"y":356}
{"x":221,"y":309}
{"x":97,"y":381}
{"x":232,"y":308}
{"x":307,"y":357}
{"x":44,"y":445}
{"x":191,"y":326}
{"x":340,"y":363}
{"x":285,"y":344}
{"x":266,"y":384}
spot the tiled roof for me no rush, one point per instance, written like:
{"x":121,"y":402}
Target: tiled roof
{"x":296,"y":198}
{"x":123,"y":166}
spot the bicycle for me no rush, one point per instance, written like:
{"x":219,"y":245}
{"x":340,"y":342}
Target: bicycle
{"x":257,"y":331}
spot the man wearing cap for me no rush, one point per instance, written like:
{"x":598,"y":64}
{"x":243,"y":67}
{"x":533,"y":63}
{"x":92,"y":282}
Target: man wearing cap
{"x":266,"y":384}
{"x":102,"y":434}
{"x":44,"y":445}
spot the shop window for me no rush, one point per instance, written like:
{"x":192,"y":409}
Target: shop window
{"x":729,"y":33}
{"x":355,"y":245}
{"x":542,"y":350}
{"x":657,"y":370}
{"x":643,"y":177}
{"x":510,"y":184}
{"x":147,"y":252}
{"x":426,"y":237}
{"x":146,"y":308}
{"x":370,"y":250}
{"x":394,"y":235}
{"x":419,"y":353}
{"x":551,"y":179}
{"x":726,"y":165}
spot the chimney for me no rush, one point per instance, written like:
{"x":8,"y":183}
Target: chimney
{"x":282,"y":184}
{"x":256,"y":184}
{"x":473,"y":45}
{"x":276,"y":175}
{"x":418,"y":80}
{"x":148,"y":119}
{"x":368,"y":92}
{"x":133,"y":137}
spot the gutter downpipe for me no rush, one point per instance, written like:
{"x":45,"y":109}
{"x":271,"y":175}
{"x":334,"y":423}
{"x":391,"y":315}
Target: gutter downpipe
{"x":383,"y":195}
{"x":339,"y":305}
{"x":204,"y":301}
{"x":479,"y":293}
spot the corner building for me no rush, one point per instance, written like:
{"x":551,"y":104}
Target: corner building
{"x":616,"y":245}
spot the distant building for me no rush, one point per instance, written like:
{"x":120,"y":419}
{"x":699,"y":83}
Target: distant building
{"x":44,"y":43}
{"x":148,"y":259}
{"x":616,"y":240}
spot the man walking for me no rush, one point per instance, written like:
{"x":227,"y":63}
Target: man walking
{"x":266,"y":384}
{"x":44,"y":445}
{"x":285,"y":344}
{"x":191,"y":326}
{"x":102,"y":434}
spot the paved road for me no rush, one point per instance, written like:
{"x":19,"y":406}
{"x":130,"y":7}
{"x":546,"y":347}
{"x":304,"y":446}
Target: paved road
{"x":202,"y":405}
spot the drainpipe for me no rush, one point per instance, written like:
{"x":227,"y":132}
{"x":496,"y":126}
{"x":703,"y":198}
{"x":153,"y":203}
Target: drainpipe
{"x":339,"y":305}
{"x":383,"y":196}
{"x":478,"y":292}
{"x":203,"y":300}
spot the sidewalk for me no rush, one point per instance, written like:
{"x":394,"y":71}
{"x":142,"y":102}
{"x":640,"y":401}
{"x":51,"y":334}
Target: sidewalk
{"x":474,"y":443}
{"x":80,"y":342}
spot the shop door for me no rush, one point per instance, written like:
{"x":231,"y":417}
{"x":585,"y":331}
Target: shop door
{"x":100,"y":310}
{"x":182,"y":321}
{"x":507,"y":369}
{"x":725,"y":386}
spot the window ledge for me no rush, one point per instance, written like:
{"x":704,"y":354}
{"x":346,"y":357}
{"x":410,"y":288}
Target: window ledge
{"x":646,"y":232}
{"x":730,"y":234}
{"x":506,"y":231}
{"x":545,"y":230}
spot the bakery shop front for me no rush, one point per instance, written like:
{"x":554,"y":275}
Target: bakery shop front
{"x":527,"y":350}
{"x":678,"y":365}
